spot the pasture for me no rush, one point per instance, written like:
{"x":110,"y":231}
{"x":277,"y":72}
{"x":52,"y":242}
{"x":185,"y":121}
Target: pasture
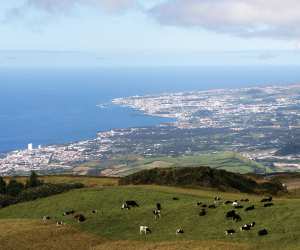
{"x":114,"y":228}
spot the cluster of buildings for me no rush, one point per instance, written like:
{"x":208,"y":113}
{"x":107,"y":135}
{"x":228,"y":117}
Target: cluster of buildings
{"x":256,"y":122}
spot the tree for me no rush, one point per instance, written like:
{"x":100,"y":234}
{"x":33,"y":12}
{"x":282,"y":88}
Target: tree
{"x":2,"y":186}
{"x":33,"y":180}
{"x":14,"y":188}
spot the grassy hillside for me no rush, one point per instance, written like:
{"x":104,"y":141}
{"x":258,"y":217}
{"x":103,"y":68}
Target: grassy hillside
{"x":113,"y":228}
{"x":198,"y":177}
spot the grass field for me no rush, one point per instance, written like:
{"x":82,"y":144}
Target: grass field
{"x":113,"y":228}
{"x":229,"y":161}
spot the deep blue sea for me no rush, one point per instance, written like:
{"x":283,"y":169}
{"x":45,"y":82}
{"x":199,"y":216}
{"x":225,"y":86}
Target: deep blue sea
{"x":51,"y":106}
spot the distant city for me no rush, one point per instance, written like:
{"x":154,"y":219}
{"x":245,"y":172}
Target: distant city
{"x":261,"y":123}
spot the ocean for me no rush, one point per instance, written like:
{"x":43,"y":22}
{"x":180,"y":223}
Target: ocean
{"x":56,"y":106}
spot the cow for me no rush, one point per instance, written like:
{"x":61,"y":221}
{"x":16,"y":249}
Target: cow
{"x":202,"y":212}
{"x":245,"y":200}
{"x":227,"y":202}
{"x":46,"y":218}
{"x":131,"y":203}
{"x":217,"y":198}
{"x":175,"y":199}
{"x":268,"y":199}
{"x":235,"y":204}
{"x":125,"y":206}
{"x":59,"y":223}
{"x":199,"y":203}
{"x":230,"y":214}
{"x":156,"y":213}
{"x":245,"y":227}
{"x":236,"y":218}
{"x":94,"y":211}
{"x":249,"y":208}
{"x":144,"y":229}
{"x":212,"y":206}
{"x":204,"y":205}
{"x":229,"y":232}
{"x":239,"y":206}
{"x":269,"y":204}
{"x":179,"y":231}
{"x":262,"y":232}
{"x":158,"y":206}
{"x":80,"y":217}
{"x":68,"y":212}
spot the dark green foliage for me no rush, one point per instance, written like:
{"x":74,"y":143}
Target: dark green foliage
{"x":14,"y":188}
{"x":33,"y":180}
{"x":201,"y":177}
{"x":2,"y":186}
{"x":41,"y":191}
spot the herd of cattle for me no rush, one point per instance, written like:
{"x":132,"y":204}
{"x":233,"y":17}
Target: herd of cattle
{"x":217,"y":201}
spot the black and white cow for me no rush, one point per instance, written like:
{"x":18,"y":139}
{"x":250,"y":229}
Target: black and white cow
{"x":156,"y":213}
{"x":46,"y":218}
{"x":212,"y":206}
{"x":59,"y":223}
{"x":131,"y":203}
{"x":80,"y":217}
{"x":144,"y":230}
{"x":179,"y":231}
{"x":158,"y":206}
{"x":202,"y":212}
{"x":229,"y":232}
{"x":68,"y":212}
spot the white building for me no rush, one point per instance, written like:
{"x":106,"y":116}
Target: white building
{"x":30,"y":146}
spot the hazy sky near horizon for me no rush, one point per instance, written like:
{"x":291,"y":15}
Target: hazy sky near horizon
{"x":150,"y":32}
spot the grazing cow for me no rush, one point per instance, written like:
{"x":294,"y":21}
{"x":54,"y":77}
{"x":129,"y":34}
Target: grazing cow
{"x":179,"y":231}
{"x":175,"y":199}
{"x":252,"y":224}
{"x":235,"y":204}
{"x":156,"y":213}
{"x":245,"y":227}
{"x":144,"y":229}
{"x":229,"y":232}
{"x":239,"y":206}
{"x":202,"y":212}
{"x":131,"y":203}
{"x":230,"y":214}
{"x":79,"y":217}
{"x":269,"y":204}
{"x":249,"y":208}
{"x":204,"y":205}
{"x":158,"y":206}
{"x":245,"y":200}
{"x":68,"y":212}
{"x":268,"y":199}
{"x":212,"y":206}
{"x":59,"y":223}
{"x":199,"y":203}
{"x":227,"y":202}
{"x":46,"y":218}
{"x":125,"y":206}
{"x":262,"y":232}
{"x":236,"y":218}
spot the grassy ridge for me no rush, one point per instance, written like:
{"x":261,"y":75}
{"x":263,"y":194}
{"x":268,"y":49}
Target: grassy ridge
{"x":197,"y":177}
{"x":122,"y":227}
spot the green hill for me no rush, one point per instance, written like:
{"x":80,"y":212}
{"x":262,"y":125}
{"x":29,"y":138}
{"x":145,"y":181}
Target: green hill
{"x":113,"y":228}
{"x":198,"y":177}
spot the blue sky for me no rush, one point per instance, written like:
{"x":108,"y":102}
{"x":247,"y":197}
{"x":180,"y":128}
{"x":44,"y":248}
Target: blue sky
{"x":149,"y":32}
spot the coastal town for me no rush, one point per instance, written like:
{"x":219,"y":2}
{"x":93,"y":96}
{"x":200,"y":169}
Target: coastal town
{"x":262,"y":124}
